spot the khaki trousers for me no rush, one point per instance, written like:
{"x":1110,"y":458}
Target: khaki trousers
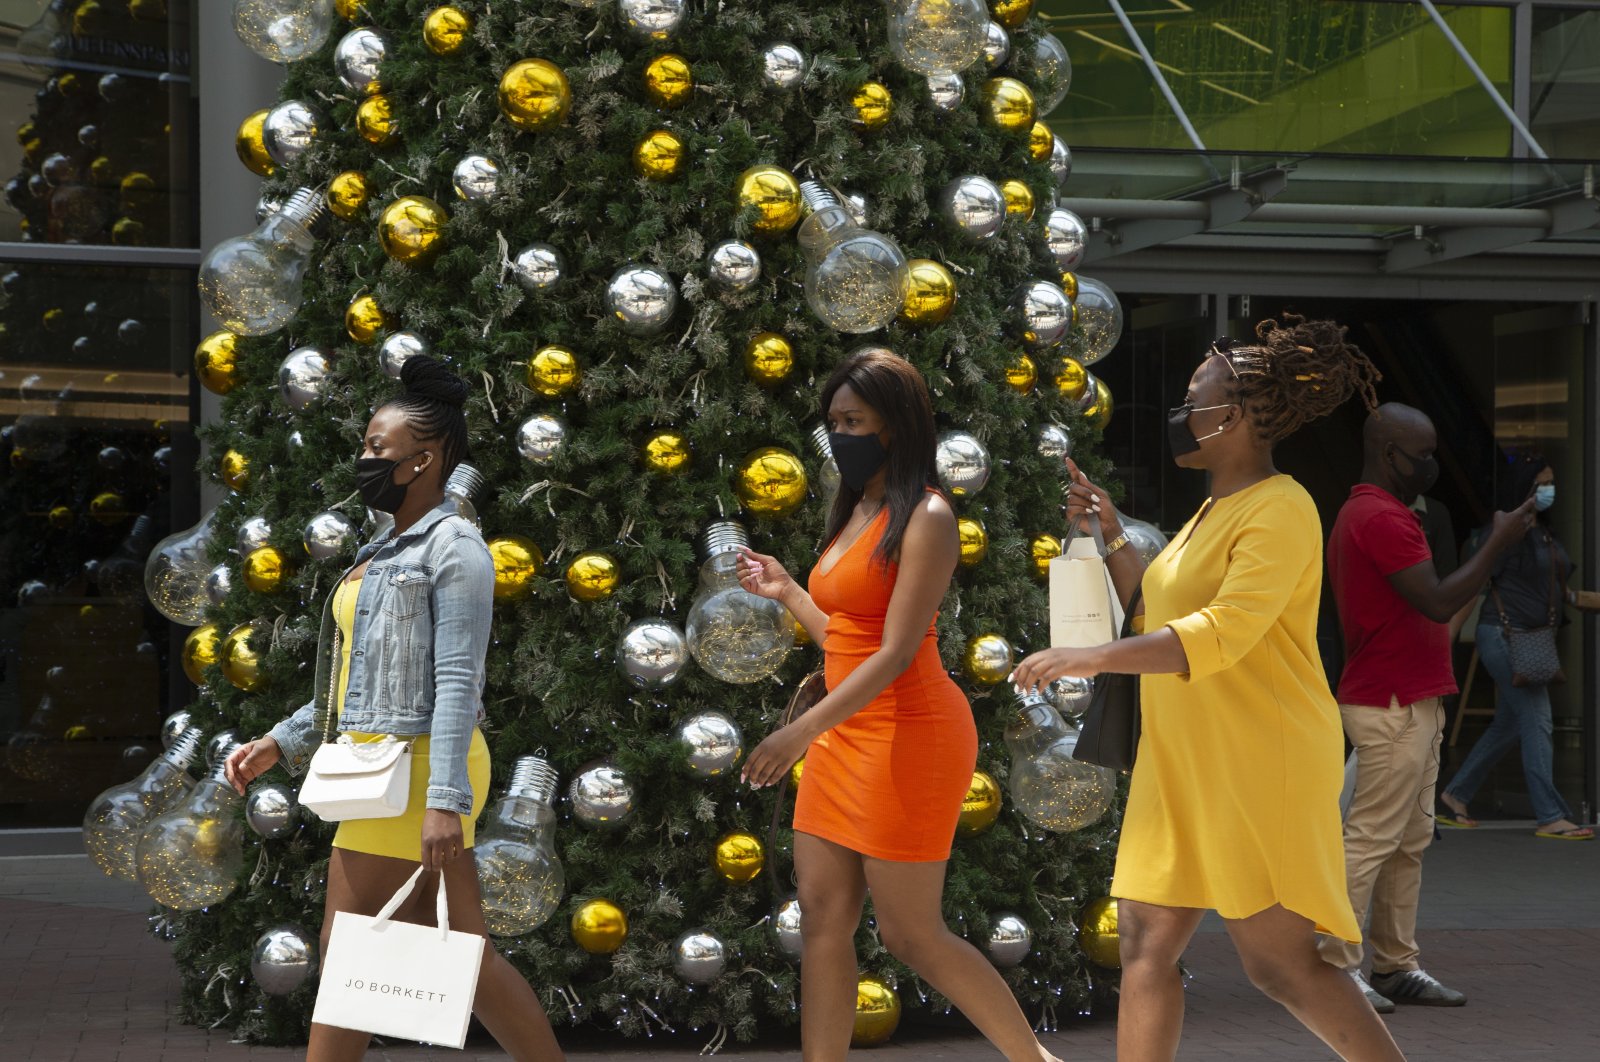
{"x":1389,"y":824}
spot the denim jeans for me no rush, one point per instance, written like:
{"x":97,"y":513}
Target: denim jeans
{"x":1522,"y":713}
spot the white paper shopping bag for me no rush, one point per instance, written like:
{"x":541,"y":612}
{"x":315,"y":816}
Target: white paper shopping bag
{"x":397,"y":979}
{"x":1084,"y":610}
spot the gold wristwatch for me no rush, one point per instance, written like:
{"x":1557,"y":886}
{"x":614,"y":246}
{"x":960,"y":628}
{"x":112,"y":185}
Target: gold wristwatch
{"x":1116,"y":544}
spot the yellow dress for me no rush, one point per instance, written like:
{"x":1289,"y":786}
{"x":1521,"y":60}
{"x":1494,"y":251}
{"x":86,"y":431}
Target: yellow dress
{"x":1234,"y":803}
{"x":400,"y":837}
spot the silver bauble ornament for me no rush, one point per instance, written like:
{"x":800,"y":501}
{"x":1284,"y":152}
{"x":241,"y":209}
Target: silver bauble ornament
{"x":302,"y":377}
{"x":996,"y":46}
{"x":1066,"y":237}
{"x":1099,"y":319}
{"x":1091,"y":392}
{"x":712,"y":744}
{"x":1070,"y":695}
{"x":537,"y":266}
{"x":327,"y":534}
{"x":254,"y":533}
{"x":288,"y":130}
{"x":733,"y":265}
{"x":699,"y":956}
{"x":175,"y":724}
{"x":541,"y":438}
{"x":283,"y":959}
{"x":476,"y":177}
{"x":398,"y":348}
{"x":974,"y":205}
{"x":601,"y":796}
{"x":131,"y":331}
{"x":1145,"y":538}
{"x":1044,"y":65}
{"x":1060,"y":162}
{"x":1043,"y":314}
{"x":357,"y":57}
{"x":783,"y":66}
{"x":1055,"y":442}
{"x":786,"y":927}
{"x":946,"y":91}
{"x":652,"y":653}
{"x":270,"y":810}
{"x":642,"y":299}
{"x":652,"y":20}
{"x":962,"y":463}
{"x":218,"y":584}
{"x":296,"y":440}
{"x":1009,"y":941}
{"x":219,"y":745}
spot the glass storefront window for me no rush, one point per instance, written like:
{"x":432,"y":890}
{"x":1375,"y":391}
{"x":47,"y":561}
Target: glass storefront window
{"x":1565,"y":96}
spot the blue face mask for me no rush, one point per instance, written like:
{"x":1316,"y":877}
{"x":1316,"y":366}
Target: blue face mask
{"x":1544,"y":496}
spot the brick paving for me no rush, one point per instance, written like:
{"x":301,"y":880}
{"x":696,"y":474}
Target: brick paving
{"x":1513,"y":922}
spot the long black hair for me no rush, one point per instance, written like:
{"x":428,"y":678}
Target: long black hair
{"x":895,"y":389}
{"x":433,"y":402}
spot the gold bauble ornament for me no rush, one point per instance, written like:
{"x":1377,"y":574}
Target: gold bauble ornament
{"x":553,"y":371}
{"x":801,"y":636}
{"x":1011,"y":13}
{"x":1097,"y":933}
{"x":1019,"y":198}
{"x":599,"y":927}
{"x":138,"y":190}
{"x":348,"y":194}
{"x":89,"y":20}
{"x":54,"y":319}
{"x":517,"y":562}
{"x":108,"y":507}
{"x":1041,"y":142}
{"x":235,"y":468}
{"x":980,"y":807}
{"x":265,"y":569}
{"x":445,"y":29}
{"x":1008,"y":103}
{"x":768,"y":358}
{"x":593,"y":576}
{"x":667,"y":453}
{"x":251,"y":147}
{"x":375,"y":120}
{"x":974,"y":541}
{"x":149,"y":10}
{"x":873,"y":105}
{"x":668,"y":81}
{"x":364,"y":319}
{"x":103,"y":171}
{"x":987,"y":660}
{"x":877,"y":1012}
{"x":930,"y":293}
{"x":770,"y":481}
{"x":349,"y":10}
{"x":738,"y":857}
{"x":659,"y":156}
{"x":774,"y":193}
{"x":216,"y":362}
{"x":535,"y":95}
{"x":128,"y":232}
{"x":1022,"y":374}
{"x":201,"y":649}
{"x":1099,"y":414}
{"x":1043,"y":549}
{"x":240,"y":656}
{"x":411,"y":229}
{"x":60,"y":517}
{"x":1069,"y":284}
{"x":1071,"y":379}
{"x":796,"y":771}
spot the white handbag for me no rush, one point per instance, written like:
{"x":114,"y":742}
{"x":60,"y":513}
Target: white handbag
{"x":399,"y":979}
{"x":358,"y":780}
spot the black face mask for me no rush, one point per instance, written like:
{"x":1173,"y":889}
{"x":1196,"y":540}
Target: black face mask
{"x":1423,"y":475}
{"x":1179,"y":437}
{"x":375,"y":481}
{"x":858,"y":456}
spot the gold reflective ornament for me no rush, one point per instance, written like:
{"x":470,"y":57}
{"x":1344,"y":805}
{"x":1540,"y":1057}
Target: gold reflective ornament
{"x":1071,"y":379}
{"x":873,"y":105}
{"x":1099,"y":414}
{"x":265,"y":568}
{"x":216,"y":362}
{"x":801,"y":637}
{"x":365,"y":320}
{"x":659,"y":156}
{"x":241,"y":654}
{"x":347,"y":9}
{"x":516,"y":563}
{"x":108,"y":507}
{"x":149,"y":10}
{"x":128,"y":232}
{"x":1011,"y":13}
{"x":411,"y":229}
{"x":796,"y":771}
{"x":768,"y":358}
{"x":667,"y":453}
{"x":1019,"y":198}
{"x":593,"y":576}
{"x":103,"y":171}
{"x":201,"y":649}
{"x":1008,"y":103}
{"x":375,"y":121}
{"x":774,"y":193}
{"x":535,"y":95}
{"x":235,"y":468}
{"x":1069,"y":284}
{"x":974,"y":541}
{"x":877,"y":1013}
{"x":599,"y":927}
{"x":987,"y":660}
{"x":1097,"y":934}
{"x":1041,"y":142}
{"x":138,"y":191}
{"x":445,"y":30}
{"x":251,"y":147}
{"x":930,"y":293}
{"x":980,"y":807}
{"x":553,"y":371}
{"x":60,"y":517}
{"x":739,"y":857}
{"x":668,"y":81}
{"x":1043,"y":549}
{"x":770,"y":481}
{"x":1022,"y":374}
{"x":348,"y":193}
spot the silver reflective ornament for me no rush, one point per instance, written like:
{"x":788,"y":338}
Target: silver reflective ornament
{"x":327,"y":534}
{"x":1145,"y":538}
{"x":254,"y":533}
{"x":174,"y":725}
{"x":712,"y":744}
{"x":946,"y":91}
{"x":783,"y":66}
{"x":302,"y":377}
{"x":288,"y":131}
{"x":1044,"y":65}
{"x":219,"y":746}
{"x":283,"y":959}
{"x":996,"y":46}
{"x":218,"y":584}
{"x":541,"y":438}
{"x":1009,"y":941}
{"x":974,"y":205}
{"x":1055,"y":442}
{"x":1099,"y":319}
{"x":296,"y":440}
{"x":357,"y":57}
{"x":601,"y":796}
{"x":1066,"y":237}
{"x":962,"y":463}
{"x":642,"y":299}
{"x":537,"y":266}
{"x":699,"y":956}
{"x":1060,"y":162}
{"x":652,"y":20}
{"x":786,"y":927}
{"x":1070,"y":695}
{"x":652,"y":653}
{"x":398,"y":348}
{"x":733,"y":265}
{"x":1043,"y":314}
{"x":476,"y":177}
{"x":270,"y":810}
{"x":1091,"y":392}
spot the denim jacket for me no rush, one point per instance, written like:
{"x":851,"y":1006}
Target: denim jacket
{"x":417,"y":649}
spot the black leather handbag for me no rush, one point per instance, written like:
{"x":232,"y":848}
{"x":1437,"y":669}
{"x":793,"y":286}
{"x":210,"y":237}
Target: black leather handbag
{"x":1109,"y":733}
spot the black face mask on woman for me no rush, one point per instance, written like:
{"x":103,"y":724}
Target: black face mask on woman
{"x":1179,"y":437}
{"x":375,"y":482}
{"x":858,"y":456}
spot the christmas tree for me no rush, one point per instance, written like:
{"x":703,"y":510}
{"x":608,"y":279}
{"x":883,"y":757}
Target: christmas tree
{"x":590,"y":210}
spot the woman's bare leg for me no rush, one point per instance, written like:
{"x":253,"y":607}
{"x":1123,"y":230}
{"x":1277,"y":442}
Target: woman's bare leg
{"x":832,"y":888}
{"x":1150,"y":1013}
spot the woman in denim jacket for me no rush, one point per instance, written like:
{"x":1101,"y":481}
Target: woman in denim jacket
{"x":402,"y":654}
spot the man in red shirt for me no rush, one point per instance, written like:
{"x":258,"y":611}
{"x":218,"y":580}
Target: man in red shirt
{"x":1396,"y":611}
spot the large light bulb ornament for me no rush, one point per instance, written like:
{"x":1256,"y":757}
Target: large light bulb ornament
{"x":176,"y":573}
{"x":252,"y":284}
{"x":116,"y":818}
{"x":283,"y":31}
{"x":855,"y":278}
{"x":735,"y":635}
{"x":1054,"y":791}
{"x":938,"y":36}
{"x":191,"y":855}
{"x":519,"y":873}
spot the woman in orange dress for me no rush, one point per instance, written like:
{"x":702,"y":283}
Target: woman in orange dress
{"x":890,"y":750}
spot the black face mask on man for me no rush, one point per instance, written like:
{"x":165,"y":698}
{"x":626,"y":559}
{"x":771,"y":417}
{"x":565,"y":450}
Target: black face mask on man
{"x":1181,"y":439}
{"x":375,"y":482}
{"x":1423,"y":475}
{"x":858,"y":456}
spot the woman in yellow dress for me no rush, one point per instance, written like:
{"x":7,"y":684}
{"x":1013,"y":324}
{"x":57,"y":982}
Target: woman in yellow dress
{"x":1234,"y":805}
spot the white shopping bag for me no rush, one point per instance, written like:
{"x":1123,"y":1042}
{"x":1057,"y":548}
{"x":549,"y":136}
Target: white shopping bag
{"x":1084,"y":610}
{"x":397,"y":979}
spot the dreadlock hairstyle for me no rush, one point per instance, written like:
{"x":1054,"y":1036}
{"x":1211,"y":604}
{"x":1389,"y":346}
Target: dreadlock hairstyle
{"x":1299,"y":371}
{"x":432,"y":402}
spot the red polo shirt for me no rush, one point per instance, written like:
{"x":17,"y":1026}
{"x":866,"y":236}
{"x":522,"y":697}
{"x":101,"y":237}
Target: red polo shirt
{"x":1391,"y":649}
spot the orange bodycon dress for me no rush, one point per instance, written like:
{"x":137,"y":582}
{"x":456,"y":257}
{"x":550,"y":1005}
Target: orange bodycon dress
{"x":888,"y":781}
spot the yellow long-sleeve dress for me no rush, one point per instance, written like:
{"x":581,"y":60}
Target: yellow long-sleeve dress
{"x":1235,"y":796}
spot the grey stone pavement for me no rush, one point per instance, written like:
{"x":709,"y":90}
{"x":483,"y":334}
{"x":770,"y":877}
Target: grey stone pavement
{"x":1511,"y":920}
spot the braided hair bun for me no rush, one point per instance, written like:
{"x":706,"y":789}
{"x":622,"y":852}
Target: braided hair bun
{"x":428,"y":378}
{"x":1298,"y":372}
{"x":433,"y":403}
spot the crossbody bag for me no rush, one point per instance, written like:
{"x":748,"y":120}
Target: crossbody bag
{"x":1534,"y":659}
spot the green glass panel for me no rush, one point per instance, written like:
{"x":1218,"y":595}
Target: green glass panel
{"x":1564,"y":111}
